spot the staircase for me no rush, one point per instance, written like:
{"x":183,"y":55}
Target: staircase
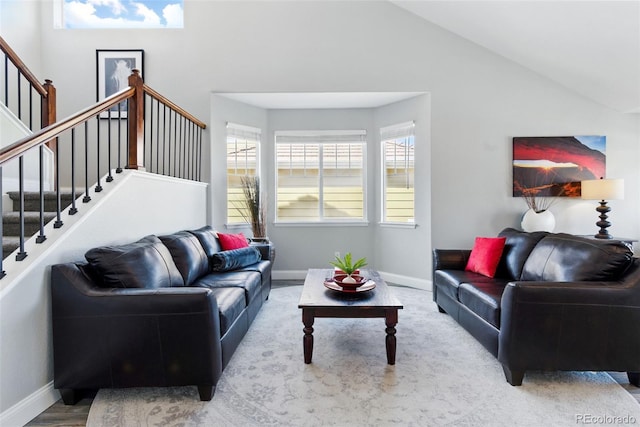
{"x":11,"y":219}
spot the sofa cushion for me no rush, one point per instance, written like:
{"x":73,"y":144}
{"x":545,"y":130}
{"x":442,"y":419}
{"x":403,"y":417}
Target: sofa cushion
{"x":448,"y":281}
{"x":249,"y":281}
{"x":483,"y":299}
{"x":231,"y":302}
{"x":188,"y":255}
{"x":208,"y":238}
{"x":517,"y":247}
{"x":146,"y":263}
{"x":566,"y":258}
{"x":485,"y":255}
{"x":234,"y":259}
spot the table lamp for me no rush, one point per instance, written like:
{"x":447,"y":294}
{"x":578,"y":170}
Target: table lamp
{"x":603,"y":190}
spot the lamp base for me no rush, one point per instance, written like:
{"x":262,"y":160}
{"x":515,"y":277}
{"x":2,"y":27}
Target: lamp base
{"x":603,"y":223}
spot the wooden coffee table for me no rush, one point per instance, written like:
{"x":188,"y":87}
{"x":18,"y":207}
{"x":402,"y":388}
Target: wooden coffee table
{"x":318,"y":301}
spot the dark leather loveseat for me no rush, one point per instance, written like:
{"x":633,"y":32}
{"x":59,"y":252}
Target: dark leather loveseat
{"x":163,"y":311}
{"x":557,"y":302}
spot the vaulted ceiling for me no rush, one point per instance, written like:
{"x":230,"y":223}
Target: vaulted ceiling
{"x":590,"y":47}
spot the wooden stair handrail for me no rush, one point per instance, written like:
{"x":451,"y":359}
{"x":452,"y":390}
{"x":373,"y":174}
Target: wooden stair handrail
{"x":22,"y":67}
{"x":46,"y":134}
{"x":173,"y":106}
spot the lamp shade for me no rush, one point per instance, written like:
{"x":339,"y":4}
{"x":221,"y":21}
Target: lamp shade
{"x":603,"y":189}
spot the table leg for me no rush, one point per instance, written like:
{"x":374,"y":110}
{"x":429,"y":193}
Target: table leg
{"x":391,"y":319}
{"x":307,"y":340}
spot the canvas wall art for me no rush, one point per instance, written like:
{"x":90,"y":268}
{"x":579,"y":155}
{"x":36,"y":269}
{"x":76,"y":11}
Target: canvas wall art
{"x":554,"y":166}
{"x":113,"y":70}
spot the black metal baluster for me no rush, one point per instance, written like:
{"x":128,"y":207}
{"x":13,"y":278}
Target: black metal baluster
{"x":19,"y":95}
{"x":109,"y":177}
{"x":164,"y":136}
{"x":119,"y":168}
{"x":86,"y":198}
{"x":73,"y":210}
{"x":6,"y":81}
{"x":31,"y":106}
{"x":175,"y":143}
{"x":58,"y":222}
{"x":158,"y":137}
{"x":21,"y":254}
{"x":151,"y":137}
{"x":98,"y":185}
{"x":199,"y":153}
{"x":41,"y":237}
{"x":2,"y":272}
{"x":182,"y":144}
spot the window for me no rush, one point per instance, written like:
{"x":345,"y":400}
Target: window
{"x":320,"y":176}
{"x":243,"y":145}
{"x":398,"y":170}
{"x":72,"y":14}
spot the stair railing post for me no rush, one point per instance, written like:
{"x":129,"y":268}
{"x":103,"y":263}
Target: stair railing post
{"x":48,"y":110}
{"x":135,"y":116}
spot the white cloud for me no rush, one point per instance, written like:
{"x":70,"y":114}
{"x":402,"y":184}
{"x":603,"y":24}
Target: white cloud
{"x":82,"y":14}
{"x":151,"y":19}
{"x":173,"y":15}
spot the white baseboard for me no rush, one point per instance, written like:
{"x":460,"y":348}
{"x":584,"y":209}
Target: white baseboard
{"x":30,"y":407}
{"x":389,"y":277}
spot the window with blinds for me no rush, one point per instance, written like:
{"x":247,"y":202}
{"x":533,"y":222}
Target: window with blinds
{"x":243,"y":145}
{"x":320,"y":176}
{"x":398,"y":160}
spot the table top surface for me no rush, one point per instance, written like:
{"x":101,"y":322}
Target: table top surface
{"x":316,"y":295}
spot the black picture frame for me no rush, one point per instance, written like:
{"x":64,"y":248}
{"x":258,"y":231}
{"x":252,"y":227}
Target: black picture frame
{"x":113,"y":68}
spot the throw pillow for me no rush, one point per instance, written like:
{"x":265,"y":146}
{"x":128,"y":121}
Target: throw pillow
{"x":232,"y":241}
{"x":234,"y":259}
{"x":485,"y":255}
{"x":146,"y":263}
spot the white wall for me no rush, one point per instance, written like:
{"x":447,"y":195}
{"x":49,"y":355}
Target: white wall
{"x":479,"y":100}
{"x":134,"y":205}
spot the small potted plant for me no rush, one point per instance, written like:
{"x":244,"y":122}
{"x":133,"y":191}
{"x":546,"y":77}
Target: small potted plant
{"x":347,"y":267}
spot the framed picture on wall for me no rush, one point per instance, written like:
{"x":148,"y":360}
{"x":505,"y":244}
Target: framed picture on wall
{"x":554,"y":166}
{"x":113,"y":70}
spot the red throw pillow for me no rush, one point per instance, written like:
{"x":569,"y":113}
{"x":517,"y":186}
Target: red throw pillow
{"x":485,"y":255}
{"x":232,"y":241}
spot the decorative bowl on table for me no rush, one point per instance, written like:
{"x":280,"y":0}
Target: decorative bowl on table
{"x":341,"y":280}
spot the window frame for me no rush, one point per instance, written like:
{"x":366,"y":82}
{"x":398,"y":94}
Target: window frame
{"x":250,"y":133}
{"x":389,"y":133}
{"x":320,"y":138}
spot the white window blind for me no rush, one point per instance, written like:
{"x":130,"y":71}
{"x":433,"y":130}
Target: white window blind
{"x":243,"y":145}
{"x":320,"y":175}
{"x":398,"y":158}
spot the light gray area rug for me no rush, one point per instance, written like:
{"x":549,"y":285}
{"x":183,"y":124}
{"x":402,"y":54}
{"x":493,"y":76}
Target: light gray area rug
{"x":442,"y":377}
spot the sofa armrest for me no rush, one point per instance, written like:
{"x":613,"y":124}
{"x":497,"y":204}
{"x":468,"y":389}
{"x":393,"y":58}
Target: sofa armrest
{"x":267,"y":250}
{"x":450,"y":259}
{"x":570,"y":326}
{"x":106,"y":337}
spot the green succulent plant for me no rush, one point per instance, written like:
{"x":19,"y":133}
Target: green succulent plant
{"x":346,"y":263}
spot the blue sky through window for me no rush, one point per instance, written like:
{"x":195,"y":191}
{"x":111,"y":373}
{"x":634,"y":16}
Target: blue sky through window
{"x":123,"y":13}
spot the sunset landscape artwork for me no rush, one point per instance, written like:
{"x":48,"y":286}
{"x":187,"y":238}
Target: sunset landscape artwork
{"x":554,"y":166}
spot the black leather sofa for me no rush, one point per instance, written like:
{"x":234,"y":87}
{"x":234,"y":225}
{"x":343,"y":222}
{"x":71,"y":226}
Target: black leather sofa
{"x":557,"y":302}
{"x":163,"y":311}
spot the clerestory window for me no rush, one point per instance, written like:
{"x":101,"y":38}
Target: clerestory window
{"x":73,"y":14}
{"x":321,"y":176}
{"x":398,"y":197}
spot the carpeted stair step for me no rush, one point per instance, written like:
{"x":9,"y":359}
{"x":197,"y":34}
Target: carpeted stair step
{"x":11,"y":223}
{"x":9,"y":244}
{"x":32,"y":200}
